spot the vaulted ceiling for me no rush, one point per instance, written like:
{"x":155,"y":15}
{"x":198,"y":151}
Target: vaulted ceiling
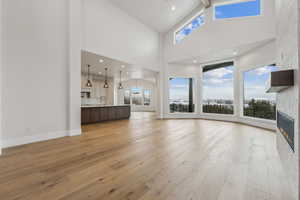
{"x":160,"y":15}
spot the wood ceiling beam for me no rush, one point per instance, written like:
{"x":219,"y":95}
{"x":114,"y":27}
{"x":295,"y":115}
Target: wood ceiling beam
{"x":206,"y":3}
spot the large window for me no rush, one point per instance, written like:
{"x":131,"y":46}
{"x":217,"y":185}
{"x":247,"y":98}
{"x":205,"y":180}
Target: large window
{"x":238,"y":9}
{"x":147,"y":98}
{"x":189,"y":28}
{"x":181,"y":95}
{"x":137,"y":96}
{"x":258,"y":103}
{"x":218,"y":88}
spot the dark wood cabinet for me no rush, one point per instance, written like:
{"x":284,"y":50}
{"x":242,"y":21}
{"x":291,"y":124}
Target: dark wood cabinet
{"x":91,"y":115}
{"x":94,"y":115}
{"x":103,"y":114}
{"x":85,"y":115}
{"x":112,"y":115}
{"x":123,"y":112}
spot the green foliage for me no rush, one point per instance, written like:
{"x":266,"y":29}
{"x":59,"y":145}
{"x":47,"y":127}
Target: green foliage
{"x":181,"y":108}
{"x":260,"y":109}
{"x":218,"y":109}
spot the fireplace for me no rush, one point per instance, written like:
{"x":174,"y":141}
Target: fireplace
{"x":285,"y":124}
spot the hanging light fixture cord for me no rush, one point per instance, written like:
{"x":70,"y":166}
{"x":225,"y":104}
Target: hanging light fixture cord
{"x":105,"y":82}
{"x":120,"y":84}
{"x":89,"y":83}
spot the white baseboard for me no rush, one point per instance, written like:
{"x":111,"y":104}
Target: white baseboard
{"x":38,"y":138}
{"x":266,"y":124}
{"x":75,"y":132}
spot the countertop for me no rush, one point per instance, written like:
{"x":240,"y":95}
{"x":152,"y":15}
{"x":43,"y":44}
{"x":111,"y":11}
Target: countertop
{"x":101,"y":106}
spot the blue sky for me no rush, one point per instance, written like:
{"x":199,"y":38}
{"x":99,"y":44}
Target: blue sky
{"x":255,"y":83}
{"x":189,"y":28}
{"x":218,"y":83}
{"x":241,"y":9}
{"x":179,"y":88}
{"x":233,"y":10}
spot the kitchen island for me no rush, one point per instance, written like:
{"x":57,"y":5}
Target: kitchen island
{"x":99,"y":113}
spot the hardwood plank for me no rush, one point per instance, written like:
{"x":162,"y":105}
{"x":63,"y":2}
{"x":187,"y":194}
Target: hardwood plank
{"x":145,"y":159}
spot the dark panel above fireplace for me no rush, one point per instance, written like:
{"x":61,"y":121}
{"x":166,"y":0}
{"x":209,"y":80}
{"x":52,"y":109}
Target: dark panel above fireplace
{"x":285,"y":125}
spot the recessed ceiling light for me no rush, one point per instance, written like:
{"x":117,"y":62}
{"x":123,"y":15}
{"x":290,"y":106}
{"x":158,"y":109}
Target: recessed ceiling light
{"x":101,"y":61}
{"x":235,"y":53}
{"x":123,"y":66}
{"x":173,"y":7}
{"x":195,"y":61}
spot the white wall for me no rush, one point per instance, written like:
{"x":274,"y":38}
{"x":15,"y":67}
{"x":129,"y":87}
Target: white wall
{"x":218,"y":35}
{"x":1,"y":66}
{"x":144,"y":85}
{"x":111,"y":32}
{"x":36,"y":70}
{"x":287,"y":17}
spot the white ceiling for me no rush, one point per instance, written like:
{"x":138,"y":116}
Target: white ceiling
{"x":114,"y":67}
{"x":158,"y":14}
{"x":223,"y":54}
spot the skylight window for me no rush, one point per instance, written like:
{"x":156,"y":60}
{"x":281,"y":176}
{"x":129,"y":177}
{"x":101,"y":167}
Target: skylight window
{"x":238,"y":9}
{"x":187,"y":29}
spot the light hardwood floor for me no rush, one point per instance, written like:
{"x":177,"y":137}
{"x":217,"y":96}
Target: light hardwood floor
{"x":148,"y":159}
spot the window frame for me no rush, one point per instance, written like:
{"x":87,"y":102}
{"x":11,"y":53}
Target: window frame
{"x":142,"y":95}
{"x":132,"y":95}
{"x":195,"y":85}
{"x":150,"y":97}
{"x":234,"y":2}
{"x":235,"y":107}
{"x":242,"y":97}
{"x":201,"y":12}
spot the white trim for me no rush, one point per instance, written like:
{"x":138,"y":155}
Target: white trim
{"x":271,"y":125}
{"x":259,"y":120}
{"x":75,"y":132}
{"x":39,"y":138}
{"x":34,"y":138}
{"x":235,"y":72}
{"x":195,"y":99}
{"x":1,"y":66}
{"x":201,"y":12}
{"x":268,"y":124}
{"x":74,"y":53}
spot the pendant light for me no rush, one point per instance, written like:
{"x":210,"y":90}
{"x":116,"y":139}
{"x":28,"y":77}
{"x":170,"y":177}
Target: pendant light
{"x":120,"y":83}
{"x":105,"y":81}
{"x":89,"y":83}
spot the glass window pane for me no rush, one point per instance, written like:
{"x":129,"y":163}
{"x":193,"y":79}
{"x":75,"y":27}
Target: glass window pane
{"x":218,"y":90}
{"x":240,"y":9}
{"x":127,"y":97}
{"x":146,"y":97}
{"x":136,"y":96}
{"x":181,"y":95}
{"x":189,"y":28}
{"x":258,"y":103}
